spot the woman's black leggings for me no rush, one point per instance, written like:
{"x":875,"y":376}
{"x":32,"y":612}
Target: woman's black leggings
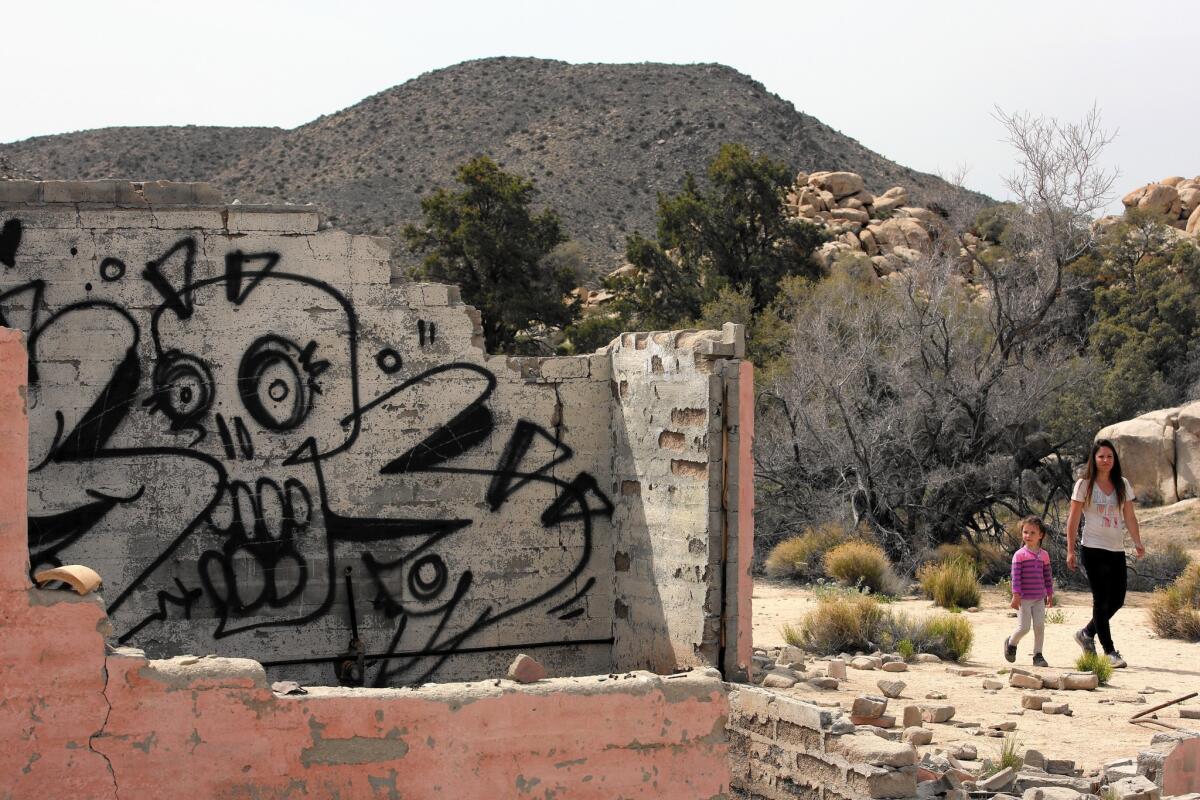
{"x":1106,"y":577}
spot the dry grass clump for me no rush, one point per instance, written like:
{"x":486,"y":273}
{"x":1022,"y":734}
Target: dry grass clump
{"x":802,"y":557}
{"x":951,"y":584}
{"x":992,"y":562}
{"x":1160,"y":566}
{"x":863,"y":565}
{"x":848,"y":621}
{"x":1097,"y":663}
{"x":1175,"y":610}
{"x":842,"y":621}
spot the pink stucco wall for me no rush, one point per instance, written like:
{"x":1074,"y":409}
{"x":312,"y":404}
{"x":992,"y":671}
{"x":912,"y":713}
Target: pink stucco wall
{"x":77,"y":723}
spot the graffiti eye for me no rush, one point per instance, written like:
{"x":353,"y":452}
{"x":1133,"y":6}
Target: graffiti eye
{"x":274,"y":384}
{"x":183,"y":387}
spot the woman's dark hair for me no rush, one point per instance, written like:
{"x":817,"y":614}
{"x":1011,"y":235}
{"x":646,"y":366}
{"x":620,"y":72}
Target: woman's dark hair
{"x":1034,"y":519}
{"x":1115,"y":475}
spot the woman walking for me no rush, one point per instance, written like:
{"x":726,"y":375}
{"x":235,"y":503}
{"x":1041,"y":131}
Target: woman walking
{"x":1103,"y":499}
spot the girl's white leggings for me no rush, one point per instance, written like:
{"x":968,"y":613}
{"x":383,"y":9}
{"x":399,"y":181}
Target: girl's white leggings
{"x":1033,"y":612}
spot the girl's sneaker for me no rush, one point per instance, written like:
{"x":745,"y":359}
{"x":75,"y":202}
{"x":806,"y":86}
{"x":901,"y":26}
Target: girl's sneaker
{"x":1010,"y":651}
{"x":1085,"y":641}
{"x":1117,"y":661}
{"x":1039,"y":661}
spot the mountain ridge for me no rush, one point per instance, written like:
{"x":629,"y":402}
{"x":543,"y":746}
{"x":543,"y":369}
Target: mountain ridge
{"x":600,"y":141}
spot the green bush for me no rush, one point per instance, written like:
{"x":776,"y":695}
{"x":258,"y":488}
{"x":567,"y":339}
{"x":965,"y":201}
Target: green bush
{"x":1175,"y":610}
{"x":951,"y":584}
{"x":802,"y":557}
{"x":1097,"y":663}
{"x":952,"y":634}
{"x":861,"y":564}
{"x":906,"y":649}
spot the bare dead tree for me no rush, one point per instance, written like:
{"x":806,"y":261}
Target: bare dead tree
{"x":915,"y":403}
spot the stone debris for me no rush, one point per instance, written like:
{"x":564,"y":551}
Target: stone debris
{"x":780,"y":678}
{"x":1186,"y":712}
{"x":525,"y":669}
{"x":1034,"y":759}
{"x":836,"y":669}
{"x":918,"y":736}
{"x":891,"y":689}
{"x":819,"y":682}
{"x":964,"y":672}
{"x":913,"y":717}
{"x":1060,"y":766}
{"x":991,"y":684}
{"x":999,"y":781}
{"x":1056,"y":708}
{"x":866,"y":662}
{"x":936,"y":712}
{"x":895,"y":666}
{"x":1034,"y":701}
{"x":868,"y":705}
{"x":1023,"y":680}
{"x":926,"y":658}
{"x":1139,"y":787}
{"x":935,"y":696}
{"x":1081,"y":680}
{"x":1003,"y":726}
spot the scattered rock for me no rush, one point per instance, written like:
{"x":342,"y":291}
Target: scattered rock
{"x":895,"y":666}
{"x":287,"y":687}
{"x":881,"y":721}
{"x":999,"y":781}
{"x":1034,"y":758}
{"x":1056,"y":708}
{"x":1007,"y":725}
{"x":926,"y":658}
{"x":868,"y":705}
{"x":1081,"y":680}
{"x":525,"y":669}
{"x":1051,"y":793}
{"x":1139,"y":787}
{"x":992,"y":684}
{"x":1024,"y":681}
{"x":964,"y":672}
{"x":891,"y":688}
{"x":819,"y":682}
{"x":918,"y":737}
{"x":936,"y":713}
{"x":1186,"y":712}
{"x":935,"y":696}
{"x":912,"y":717}
{"x":1034,"y":701}
{"x":877,"y":751}
{"x":780,"y":678}
{"x":1060,"y":766}
{"x":962,"y":752}
{"x":790,"y":654}
{"x":837,"y":669}
{"x":866,"y":662}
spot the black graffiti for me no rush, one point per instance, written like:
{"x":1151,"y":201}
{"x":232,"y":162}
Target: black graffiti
{"x":10,"y":240}
{"x":389,"y":361}
{"x":269,"y":546}
{"x":112,"y":269}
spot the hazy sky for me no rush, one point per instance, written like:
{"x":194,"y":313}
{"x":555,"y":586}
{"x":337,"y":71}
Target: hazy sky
{"x":914,"y":81}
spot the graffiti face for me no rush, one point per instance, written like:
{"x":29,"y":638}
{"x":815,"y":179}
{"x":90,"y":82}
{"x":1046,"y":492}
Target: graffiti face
{"x":290,"y":383}
{"x":246,"y":396}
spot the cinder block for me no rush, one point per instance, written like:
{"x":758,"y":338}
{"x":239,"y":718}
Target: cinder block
{"x":20,"y":191}
{"x":79,"y":191}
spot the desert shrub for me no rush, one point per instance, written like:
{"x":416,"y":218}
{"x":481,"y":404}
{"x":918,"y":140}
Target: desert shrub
{"x":990,"y":559}
{"x":1160,"y":566}
{"x":848,"y":621}
{"x":1097,"y":663}
{"x":1175,"y":610}
{"x":951,"y":636}
{"x":802,"y":557}
{"x":841,"y":622}
{"x":1056,"y":616}
{"x":951,"y":584}
{"x":861,"y":564}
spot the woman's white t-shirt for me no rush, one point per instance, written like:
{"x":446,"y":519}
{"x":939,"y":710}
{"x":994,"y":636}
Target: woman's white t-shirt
{"x":1103,"y":520}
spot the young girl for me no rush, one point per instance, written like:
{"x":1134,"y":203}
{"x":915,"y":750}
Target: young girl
{"x":1033,"y":590}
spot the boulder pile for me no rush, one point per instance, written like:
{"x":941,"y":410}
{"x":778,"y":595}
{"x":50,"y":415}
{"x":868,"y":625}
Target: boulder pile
{"x":1176,"y":198}
{"x":885,"y":228}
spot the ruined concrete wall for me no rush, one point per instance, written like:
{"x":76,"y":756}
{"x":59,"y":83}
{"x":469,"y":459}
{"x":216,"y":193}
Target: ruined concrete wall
{"x":683,"y":524}
{"x":783,"y":748}
{"x":264,"y":446}
{"x":76,"y":723}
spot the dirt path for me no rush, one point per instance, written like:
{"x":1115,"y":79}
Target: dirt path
{"x":1098,"y":731}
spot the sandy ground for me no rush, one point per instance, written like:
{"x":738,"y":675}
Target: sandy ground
{"x":1098,"y":731}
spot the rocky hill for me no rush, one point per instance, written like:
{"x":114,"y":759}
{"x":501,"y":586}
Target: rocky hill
{"x":600,"y":140}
